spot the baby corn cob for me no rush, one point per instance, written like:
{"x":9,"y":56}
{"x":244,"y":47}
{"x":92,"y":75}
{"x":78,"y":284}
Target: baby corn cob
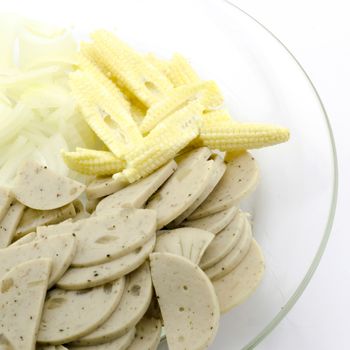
{"x":117,"y":117}
{"x":158,"y":63}
{"x":220,"y":115}
{"x":189,"y":117}
{"x":95,"y":118}
{"x":86,"y":63}
{"x":137,"y":109}
{"x":207,"y":93}
{"x":130,"y":69}
{"x":137,"y":114}
{"x":210,"y":96}
{"x":233,"y":136}
{"x":231,"y":155}
{"x":86,"y":153}
{"x":157,"y":152}
{"x":147,"y":110}
{"x":164,"y":142}
{"x":96,"y":73}
{"x":92,"y":162}
{"x":180,"y":72}
{"x":210,"y":118}
{"x":89,"y":51}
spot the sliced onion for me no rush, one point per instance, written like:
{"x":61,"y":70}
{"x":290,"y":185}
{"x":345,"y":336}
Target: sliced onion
{"x":38,"y":115}
{"x":42,"y":45}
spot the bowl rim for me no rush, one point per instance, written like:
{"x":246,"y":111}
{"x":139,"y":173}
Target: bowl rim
{"x":332,"y":209}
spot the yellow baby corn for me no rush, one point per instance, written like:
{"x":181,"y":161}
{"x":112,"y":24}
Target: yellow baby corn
{"x":86,"y":153}
{"x":210,"y":96}
{"x":158,"y":63}
{"x":89,"y":51}
{"x":147,"y":110}
{"x":157,"y":152}
{"x":117,"y":118}
{"x":130,"y":69}
{"x":231,"y":155}
{"x":220,"y":115}
{"x":96,"y":73}
{"x":91,"y":169}
{"x":180,"y":72}
{"x":92,"y":162}
{"x":233,"y":136}
{"x":92,"y":54}
{"x":207,"y":93}
{"x":106,"y":161}
{"x":164,"y":142}
{"x":188,"y":117}
{"x":210,"y":118}
{"x":95,"y":118}
{"x":137,"y":113}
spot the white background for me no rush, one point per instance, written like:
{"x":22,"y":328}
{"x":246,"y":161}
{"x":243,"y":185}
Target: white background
{"x":318,"y":33}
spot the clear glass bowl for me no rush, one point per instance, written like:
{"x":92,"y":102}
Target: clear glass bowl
{"x":294,"y":205}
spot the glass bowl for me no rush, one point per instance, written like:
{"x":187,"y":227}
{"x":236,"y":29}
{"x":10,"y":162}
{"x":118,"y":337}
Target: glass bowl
{"x":294,"y":205}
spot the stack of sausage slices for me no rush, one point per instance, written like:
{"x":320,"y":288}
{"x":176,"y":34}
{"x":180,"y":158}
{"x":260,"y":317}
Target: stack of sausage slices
{"x":110,"y":266}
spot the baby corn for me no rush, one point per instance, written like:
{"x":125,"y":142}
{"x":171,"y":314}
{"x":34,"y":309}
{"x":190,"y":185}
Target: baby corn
{"x":220,"y":115}
{"x":147,"y":111}
{"x":180,"y":72}
{"x":97,"y":74}
{"x":95,"y":118}
{"x":161,"y":65}
{"x":232,"y":136}
{"x":164,"y":142}
{"x":92,"y":162}
{"x":130,"y":69}
{"x":117,"y":118}
{"x":207,"y":93}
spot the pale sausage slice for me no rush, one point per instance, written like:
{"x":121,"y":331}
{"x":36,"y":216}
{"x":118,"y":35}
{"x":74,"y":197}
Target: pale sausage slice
{"x":182,"y":189}
{"x":33,"y":218}
{"x":137,"y":194}
{"x":60,"y":249}
{"x":77,"y":278}
{"x":147,"y":335}
{"x":80,"y":210}
{"x":91,"y":205}
{"x":30,"y":237}
{"x":38,"y":187}
{"x":9,"y":223}
{"x":104,"y":186}
{"x":5,"y":200}
{"x":234,"y":257}
{"x":213,"y":223}
{"x":51,"y":347}
{"x":69,"y":315}
{"x":187,"y":301}
{"x":190,"y":243}
{"x":201,"y":153}
{"x":240,"y":179}
{"x":121,"y":343}
{"x":22,"y":295}
{"x":217,"y":173}
{"x":224,"y":241}
{"x":235,"y":287}
{"x":133,"y":305}
{"x":106,"y":237}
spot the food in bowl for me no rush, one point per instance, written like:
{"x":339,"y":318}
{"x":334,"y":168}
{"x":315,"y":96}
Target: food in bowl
{"x":152,"y":235}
